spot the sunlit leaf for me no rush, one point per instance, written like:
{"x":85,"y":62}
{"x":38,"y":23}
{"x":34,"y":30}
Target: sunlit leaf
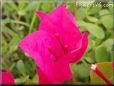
{"x":95,"y":30}
{"x":22,"y":4}
{"x":81,"y":13}
{"x":101,"y":54}
{"x":107,"y":21}
{"x":21,"y":67}
{"x":35,"y":79}
{"x":92,"y":19}
{"x":107,"y":42}
{"x":81,"y":71}
{"x":94,"y":10}
{"x":111,"y":6}
{"x":104,"y":12}
{"x":21,"y":80}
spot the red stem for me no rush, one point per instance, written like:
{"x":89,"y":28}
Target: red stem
{"x":100,"y":74}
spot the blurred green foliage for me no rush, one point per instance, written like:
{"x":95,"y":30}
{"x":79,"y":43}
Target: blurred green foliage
{"x":19,"y":19}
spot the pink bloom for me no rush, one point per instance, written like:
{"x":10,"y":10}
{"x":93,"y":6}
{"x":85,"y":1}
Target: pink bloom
{"x":57,"y":44}
{"x":6,"y":78}
{"x":42,"y":77}
{"x":100,"y":74}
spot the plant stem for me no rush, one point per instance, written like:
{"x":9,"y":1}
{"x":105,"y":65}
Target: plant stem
{"x":5,"y":66}
{"x":100,"y":74}
{"x":73,"y":76}
{"x":75,"y":9}
{"x":103,"y":77}
{"x":33,"y":18}
{"x":73,"y":79}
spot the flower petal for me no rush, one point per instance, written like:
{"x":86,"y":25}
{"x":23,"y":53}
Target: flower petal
{"x":42,"y":78}
{"x":40,"y":14}
{"x":36,"y":45}
{"x":58,"y":73}
{"x":61,"y":21}
{"x":76,"y":54}
{"x":55,"y":74}
{"x":7,"y":78}
{"x":33,"y":45}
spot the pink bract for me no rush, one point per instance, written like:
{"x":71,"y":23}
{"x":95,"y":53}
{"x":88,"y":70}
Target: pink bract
{"x":56,"y":44}
{"x":6,"y":78}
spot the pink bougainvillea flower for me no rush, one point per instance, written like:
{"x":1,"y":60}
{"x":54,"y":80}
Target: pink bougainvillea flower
{"x":95,"y":68}
{"x":6,"y":78}
{"x":56,"y":44}
{"x":42,"y":78}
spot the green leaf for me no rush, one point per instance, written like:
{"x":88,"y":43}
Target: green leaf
{"x":31,"y":6}
{"x":90,"y":59}
{"x":34,"y":18}
{"x":35,"y":79}
{"x":112,"y":55}
{"x":91,"y":44}
{"x":95,"y":30}
{"x":104,"y":12}
{"x":81,"y":13}
{"x":107,"y":21}
{"x":14,"y":21}
{"x":21,"y":12}
{"x":21,"y":67}
{"x":107,"y":42}
{"x":15,"y":40}
{"x":94,"y":10}
{"x":71,"y":7}
{"x":21,"y":80}
{"x":106,"y":68}
{"x":81,"y":23}
{"x":12,"y":66}
{"x":101,"y":54}
{"x":9,"y":31}
{"x":21,"y":5}
{"x":102,"y":51}
{"x":111,"y":6}
{"x":18,"y":81}
{"x":29,"y":82}
{"x":12,"y":6}
{"x":97,"y":42}
{"x":14,"y":43}
{"x":79,"y":70}
{"x":92,"y":19}
{"x":46,"y":7}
